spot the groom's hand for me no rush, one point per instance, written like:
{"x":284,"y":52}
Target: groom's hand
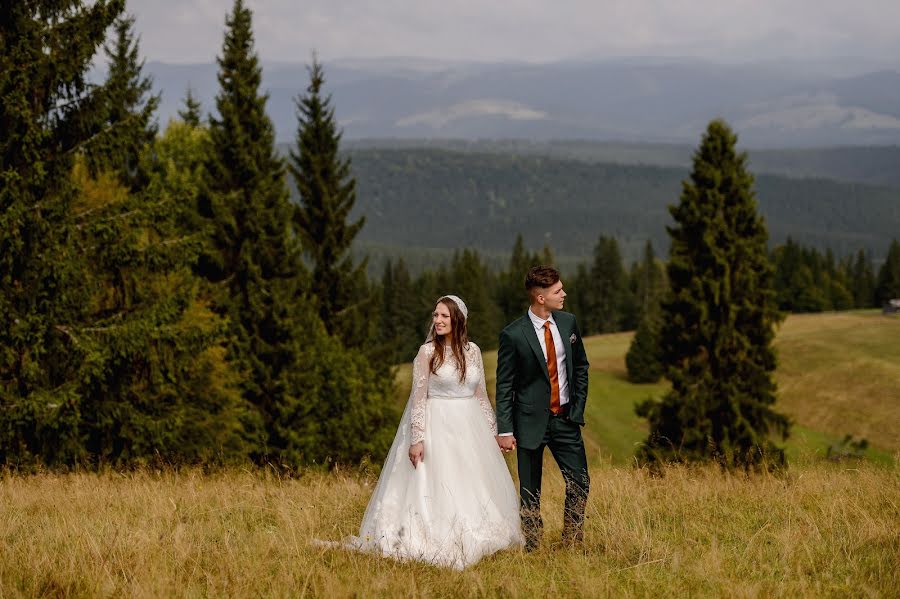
{"x":506,"y":442}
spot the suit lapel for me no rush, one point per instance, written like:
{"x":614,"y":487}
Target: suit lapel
{"x":531,"y":337}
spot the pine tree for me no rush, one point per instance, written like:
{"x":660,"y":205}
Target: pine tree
{"x":403,"y":321}
{"x":327,"y":196}
{"x":191,"y":113}
{"x":643,"y":358}
{"x":579,"y":299}
{"x":888,"y":283}
{"x":49,"y":113}
{"x":511,"y":297}
{"x":130,"y":107}
{"x":648,"y":283}
{"x":718,"y":321}
{"x":470,"y":279}
{"x":862,"y":280}
{"x":252,"y":260}
{"x":834,"y":285}
{"x":608,"y":287}
{"x":547,"y":258}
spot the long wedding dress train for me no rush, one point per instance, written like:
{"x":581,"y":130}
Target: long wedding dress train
{"x":459,"y":504}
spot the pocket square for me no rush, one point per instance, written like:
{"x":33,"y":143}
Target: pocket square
{"x":572,"y":338}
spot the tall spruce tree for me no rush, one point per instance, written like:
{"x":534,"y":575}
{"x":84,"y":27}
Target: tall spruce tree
{"x":327,"y":196}
{"x":470,"y":279}
{"x":888,"y":283}
{"x":642,"y":361}
{"x":648,"y":282}
{"x":643,"y":358}
{"x":608,"y":285}
{"x":511,"y":296}
{"x":252,"y":259}
{"x":578,"y":300}
{"x":546,"y":257}
{"x":718,"y":321}
{"x":130,"y":108}
{"x":862,"y":280}
{"x":49,"y":113}
{"x":402,"y":317}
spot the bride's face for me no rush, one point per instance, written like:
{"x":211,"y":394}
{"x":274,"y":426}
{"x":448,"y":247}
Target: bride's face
{"x":440,"y":318}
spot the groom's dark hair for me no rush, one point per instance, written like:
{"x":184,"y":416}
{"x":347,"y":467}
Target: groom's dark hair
{"x":541,"y":276}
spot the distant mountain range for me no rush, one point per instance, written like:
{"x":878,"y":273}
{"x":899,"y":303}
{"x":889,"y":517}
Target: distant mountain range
{"x":658,"y":101}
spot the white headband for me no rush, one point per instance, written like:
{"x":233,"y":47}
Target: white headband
{"x":459,"y":304}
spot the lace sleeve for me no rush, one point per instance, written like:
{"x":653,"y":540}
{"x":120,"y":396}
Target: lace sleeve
{"x":481,"y":391}
{"x":418,"y":396}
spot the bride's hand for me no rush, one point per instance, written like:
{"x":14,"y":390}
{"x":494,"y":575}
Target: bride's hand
{"x":417,"y":453}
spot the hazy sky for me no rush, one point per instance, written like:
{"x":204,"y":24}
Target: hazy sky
{"x":529,"y":30}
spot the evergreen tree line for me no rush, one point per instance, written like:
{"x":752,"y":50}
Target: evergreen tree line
{"x":160,"y":296}
{"x":609,"y":296}
{"x":807,"y":280}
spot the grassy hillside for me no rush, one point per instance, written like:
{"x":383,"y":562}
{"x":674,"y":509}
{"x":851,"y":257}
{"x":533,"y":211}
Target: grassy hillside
{"x":821,"y":529}
{"x":839,"y":374}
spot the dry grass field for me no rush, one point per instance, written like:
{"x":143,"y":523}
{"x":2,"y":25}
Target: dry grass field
{"x":823,"y":531}
{"x":820,"y":529}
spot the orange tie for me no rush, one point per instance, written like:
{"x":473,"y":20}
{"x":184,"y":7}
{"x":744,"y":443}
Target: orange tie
{"x":552,"y":369}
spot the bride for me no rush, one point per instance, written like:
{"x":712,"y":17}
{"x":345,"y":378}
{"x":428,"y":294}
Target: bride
{"x":445,"y":495}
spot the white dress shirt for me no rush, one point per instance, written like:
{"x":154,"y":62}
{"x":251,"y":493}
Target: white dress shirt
{"x":560,"y":348}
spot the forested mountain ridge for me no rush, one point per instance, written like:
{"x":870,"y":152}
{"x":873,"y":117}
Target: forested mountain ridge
{"x":428,"y":198}
{"x":873,"y":165}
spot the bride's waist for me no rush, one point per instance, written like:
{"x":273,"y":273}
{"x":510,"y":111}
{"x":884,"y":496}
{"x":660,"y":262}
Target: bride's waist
{"x":452,"y":397}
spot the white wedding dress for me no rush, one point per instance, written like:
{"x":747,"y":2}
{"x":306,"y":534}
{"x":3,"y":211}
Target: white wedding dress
{"x":459,"y":504}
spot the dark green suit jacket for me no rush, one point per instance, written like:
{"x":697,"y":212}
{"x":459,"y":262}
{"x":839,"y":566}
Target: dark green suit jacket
{"x":523,"y":382}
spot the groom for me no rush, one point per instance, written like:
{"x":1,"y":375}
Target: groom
{"x":542,"y":384}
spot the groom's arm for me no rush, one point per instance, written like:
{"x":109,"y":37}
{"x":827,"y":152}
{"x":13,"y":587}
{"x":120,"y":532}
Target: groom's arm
{"x":580,"y":367}
{"x":506,"y":379}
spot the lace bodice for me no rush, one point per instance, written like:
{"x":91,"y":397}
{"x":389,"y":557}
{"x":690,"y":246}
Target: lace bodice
{"x":445,"y":384}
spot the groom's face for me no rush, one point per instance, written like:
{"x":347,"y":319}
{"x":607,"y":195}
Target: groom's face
{"x":554,"y":296}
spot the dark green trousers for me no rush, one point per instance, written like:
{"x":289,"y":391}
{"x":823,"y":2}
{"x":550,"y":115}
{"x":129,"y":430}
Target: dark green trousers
{"x":563,"y":437}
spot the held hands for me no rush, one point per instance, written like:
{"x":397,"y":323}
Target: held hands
{"x":417,"y":453}
{"x":506,"y":442}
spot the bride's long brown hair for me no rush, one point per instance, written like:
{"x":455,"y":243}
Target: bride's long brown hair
{"x":459,"y":339}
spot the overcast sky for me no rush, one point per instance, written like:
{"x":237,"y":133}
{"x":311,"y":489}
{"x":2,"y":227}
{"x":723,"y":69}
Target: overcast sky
{"x":530,"y":30}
